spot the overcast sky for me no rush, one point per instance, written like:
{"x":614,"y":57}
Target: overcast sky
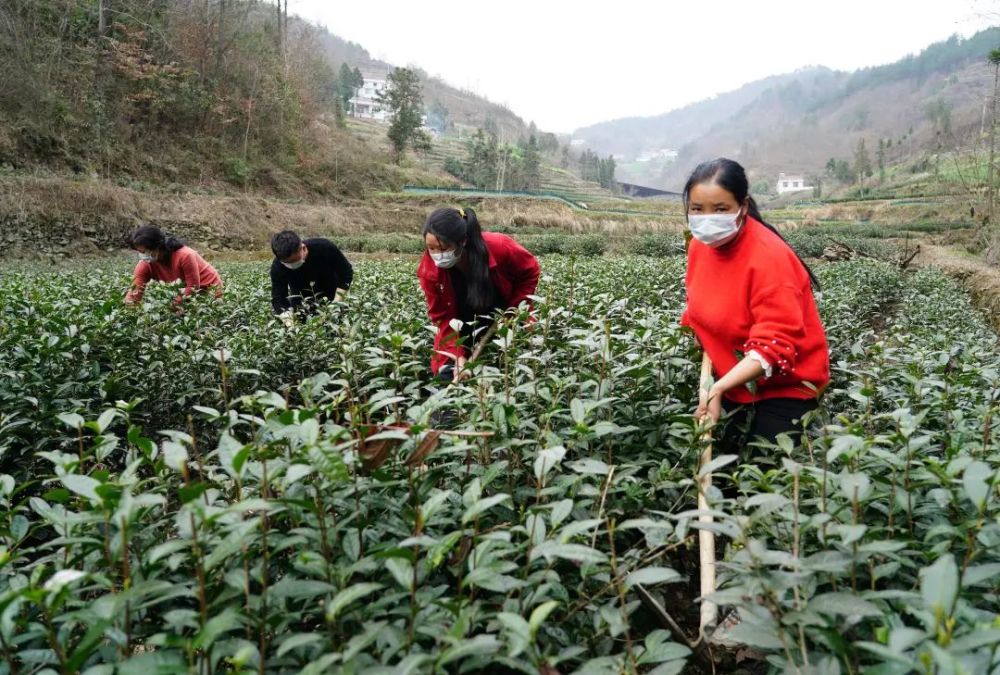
{"x":567,"y":64}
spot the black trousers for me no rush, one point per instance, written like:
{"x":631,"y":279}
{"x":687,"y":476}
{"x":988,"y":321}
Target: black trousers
{"x":761,"y":421}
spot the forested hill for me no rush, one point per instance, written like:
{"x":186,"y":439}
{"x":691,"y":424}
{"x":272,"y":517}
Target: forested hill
{"x":214,"y":93}
{"x":796,"y":122}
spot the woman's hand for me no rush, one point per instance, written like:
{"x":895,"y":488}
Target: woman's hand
{"x":710,"y":402}
{"x":709,"y":405}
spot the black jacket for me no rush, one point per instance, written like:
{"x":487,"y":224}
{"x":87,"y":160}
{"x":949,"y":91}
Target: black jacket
{"x":325,"y":270}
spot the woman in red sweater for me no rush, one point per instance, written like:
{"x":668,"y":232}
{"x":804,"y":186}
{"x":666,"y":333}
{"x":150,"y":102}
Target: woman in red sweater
{"x":467,"y":274}
{"x":167,"y":259}
{"x":751,"y":306}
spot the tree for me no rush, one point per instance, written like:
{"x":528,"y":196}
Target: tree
{"x":839,"y":169}
{"x":548,"y":143}
{"x":880,"y":157}
{"x":103,"y":16}
{"x":531,"y":165}
{"x":281,"y":31}
{"x":480,"y":165}
{"x":439,"y":117}
{"x":404,"y":101}
{"x":817,"y":182}
{"x":862,"y":162}
{"x":939,"y":114}
{"x":344,"y":93}
{"x":348,"y":83}
{"x":357,"y":80}
{"x":842,"y":171}
{"x":606,"y":172}
{"x":993,"y":236}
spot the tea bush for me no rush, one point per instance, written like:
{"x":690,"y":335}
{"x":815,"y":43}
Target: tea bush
{"x":211,"y":491}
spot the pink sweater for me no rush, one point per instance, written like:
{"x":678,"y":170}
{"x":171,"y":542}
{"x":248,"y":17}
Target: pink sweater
{"x":185,"y":265}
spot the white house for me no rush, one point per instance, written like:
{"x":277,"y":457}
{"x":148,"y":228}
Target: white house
{"x":365,"y":104}
{"x":663,"y":153}
{"x":791,"y":183}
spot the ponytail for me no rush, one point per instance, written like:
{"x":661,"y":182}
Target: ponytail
{"x":480,"y":288}
{"x":152,"y":238}
{"x":754,"y":213}
{"x":455,"y":226}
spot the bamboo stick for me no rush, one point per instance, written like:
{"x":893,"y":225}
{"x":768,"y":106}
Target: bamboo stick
{"x":706,"y":538}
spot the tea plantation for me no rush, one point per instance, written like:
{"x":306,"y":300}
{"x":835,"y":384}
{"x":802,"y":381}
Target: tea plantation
{"x":211,"y":491}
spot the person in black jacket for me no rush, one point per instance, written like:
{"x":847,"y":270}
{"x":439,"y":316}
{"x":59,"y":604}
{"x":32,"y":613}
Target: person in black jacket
{"x":306,"y":271}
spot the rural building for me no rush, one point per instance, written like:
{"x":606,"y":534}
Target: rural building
{"x":365,"y":104}
{"x":791,"y":183}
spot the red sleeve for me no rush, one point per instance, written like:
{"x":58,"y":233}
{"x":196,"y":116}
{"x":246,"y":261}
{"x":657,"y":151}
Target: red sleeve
{"x":446,"y":340}
{"x":189,"y":271}
{"x":140,"y":277}
{"x":778,"y":325}
{"x":524,"y":270}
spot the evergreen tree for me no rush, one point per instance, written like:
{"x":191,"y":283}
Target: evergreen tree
{"x":880,"y":158}
{"x":438,"y":117}
{"x":532,"y":165}
{"x":606,"y":172}
{"x":843,"y":172}
{"x":862,"y":162}
{"x":404,"y":101}
{"x":348,"y":83}
{"x":480,"y":165}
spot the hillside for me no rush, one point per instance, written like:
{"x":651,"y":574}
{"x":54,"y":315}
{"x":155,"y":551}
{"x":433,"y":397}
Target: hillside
{"x":796,"y":122}
{"x":464,"y":107}
{"x":220,"y":97}
{"x":428,"y":165}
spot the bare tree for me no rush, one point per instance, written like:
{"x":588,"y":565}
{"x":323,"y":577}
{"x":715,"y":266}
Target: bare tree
{"x":103,"y":17}
{"x":992,"y":232}
{"x":281,"y":49}
{"x":994,"y":59}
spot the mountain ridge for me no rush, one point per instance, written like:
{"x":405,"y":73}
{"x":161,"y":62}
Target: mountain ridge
{"x":797,"y":121}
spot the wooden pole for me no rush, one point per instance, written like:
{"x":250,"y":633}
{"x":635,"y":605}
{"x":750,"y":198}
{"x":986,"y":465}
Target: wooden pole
{"x":484,"y":340}
{"x":706,"y":538}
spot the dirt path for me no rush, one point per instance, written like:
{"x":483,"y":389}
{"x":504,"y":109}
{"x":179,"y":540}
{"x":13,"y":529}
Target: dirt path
{"x":980,"y":280}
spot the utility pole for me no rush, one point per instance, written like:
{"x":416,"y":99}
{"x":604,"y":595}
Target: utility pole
{"x":503,"y":163}
{"x":994,"y":59}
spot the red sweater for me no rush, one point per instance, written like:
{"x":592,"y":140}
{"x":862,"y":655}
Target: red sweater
{"x":184,"y":265}
{"x":754,"y":294}
{"x":514,"y":273}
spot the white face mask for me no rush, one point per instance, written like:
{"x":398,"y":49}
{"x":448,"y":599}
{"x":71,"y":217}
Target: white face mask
{"x":445,"y":259}
{"x":294,"y":265}
{"x":712,"y":228}
{"x":145,"y":257}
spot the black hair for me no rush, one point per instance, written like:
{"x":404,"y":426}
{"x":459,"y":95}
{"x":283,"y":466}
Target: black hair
{"x":730,"y":176}
{"x":454,"y":226}
{"x":285,"y":243}
{"x":152,"y":238}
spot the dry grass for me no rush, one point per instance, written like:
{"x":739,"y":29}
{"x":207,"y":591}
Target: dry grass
{"x":86,"y":216}
{"x":943,"y":209}
{"x":981,"y":281}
